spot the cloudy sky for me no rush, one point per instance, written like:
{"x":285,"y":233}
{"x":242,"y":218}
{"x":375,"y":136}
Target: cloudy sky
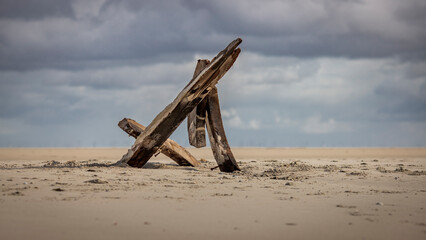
{"x":312,"y":73}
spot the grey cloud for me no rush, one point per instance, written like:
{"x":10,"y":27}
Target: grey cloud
{"x":413,"y":14}
{"x":322,"y":28}
{"x":113,"y":36}
{"x":39,"y":104}
{"x":312,"y":73}
{"x":369,"y":91}
{"x":400,"y":105}
{"x":138,"y":32}
{"x":87,"y":113}
{"x":35,"y":9}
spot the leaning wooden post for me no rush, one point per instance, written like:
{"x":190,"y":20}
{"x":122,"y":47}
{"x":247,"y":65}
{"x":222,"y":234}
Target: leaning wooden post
{"x":218,"y":142}
{"x":170,"y":148}
{"x":197,"y":118}
{"x":169,"y":119}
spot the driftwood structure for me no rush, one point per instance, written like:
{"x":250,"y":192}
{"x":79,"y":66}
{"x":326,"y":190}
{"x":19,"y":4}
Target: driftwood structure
{"x":200,"y":103}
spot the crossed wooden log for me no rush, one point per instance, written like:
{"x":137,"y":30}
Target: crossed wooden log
{"x":200,"y":103}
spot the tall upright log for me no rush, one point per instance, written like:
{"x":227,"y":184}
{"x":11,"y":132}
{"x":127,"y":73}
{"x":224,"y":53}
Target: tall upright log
{"x":170,"y":148}
{"x":218,"y":141}
{"x":169,"y":119}
{"x":197,"y":118}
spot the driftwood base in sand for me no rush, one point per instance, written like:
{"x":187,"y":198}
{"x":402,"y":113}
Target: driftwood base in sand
{"x":218,"y":142}
{"x":170,"y":148}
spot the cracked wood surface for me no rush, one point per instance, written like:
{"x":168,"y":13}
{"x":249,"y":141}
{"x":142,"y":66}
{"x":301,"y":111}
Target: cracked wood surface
{"x":218,"y":141}
{"x":197,"y":118}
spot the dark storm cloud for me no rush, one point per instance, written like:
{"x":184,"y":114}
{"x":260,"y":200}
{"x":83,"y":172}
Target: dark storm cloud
{"x":324,"y":28}
{"x":413,"y":13}
{"x":80,"y":34}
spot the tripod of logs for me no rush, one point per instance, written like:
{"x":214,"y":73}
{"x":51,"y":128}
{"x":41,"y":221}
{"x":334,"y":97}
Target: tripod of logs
{"x":199,"y":102}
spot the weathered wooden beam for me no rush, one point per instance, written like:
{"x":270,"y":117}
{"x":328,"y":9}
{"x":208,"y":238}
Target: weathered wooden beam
{"x":218,"y":141}
{"x":163,"y":125}
{"x":169,"y":148}
{"x":197,"y":118}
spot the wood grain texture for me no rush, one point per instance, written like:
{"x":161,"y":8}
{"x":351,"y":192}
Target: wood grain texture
{"x":170,"y":148}
{"x":197,"y":118}
{"x":218,"y":141}
{"x":169,"y":119}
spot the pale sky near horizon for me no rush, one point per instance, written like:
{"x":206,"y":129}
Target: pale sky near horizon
{"x":312,"y":73}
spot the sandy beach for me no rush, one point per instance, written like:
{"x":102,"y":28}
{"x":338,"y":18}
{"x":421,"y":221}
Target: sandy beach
{"x":294,"y":193}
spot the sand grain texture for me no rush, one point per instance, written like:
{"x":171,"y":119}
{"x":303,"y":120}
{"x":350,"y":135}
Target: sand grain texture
{"x":295,"y":193}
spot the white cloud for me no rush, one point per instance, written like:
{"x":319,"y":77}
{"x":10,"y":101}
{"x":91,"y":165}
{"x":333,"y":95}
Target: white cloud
{"x":316,"y":125}
{"x":285,"y":122}
{"x":254,"y":124}
{"x":318,"y":81}
{"x":233,"y":120}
